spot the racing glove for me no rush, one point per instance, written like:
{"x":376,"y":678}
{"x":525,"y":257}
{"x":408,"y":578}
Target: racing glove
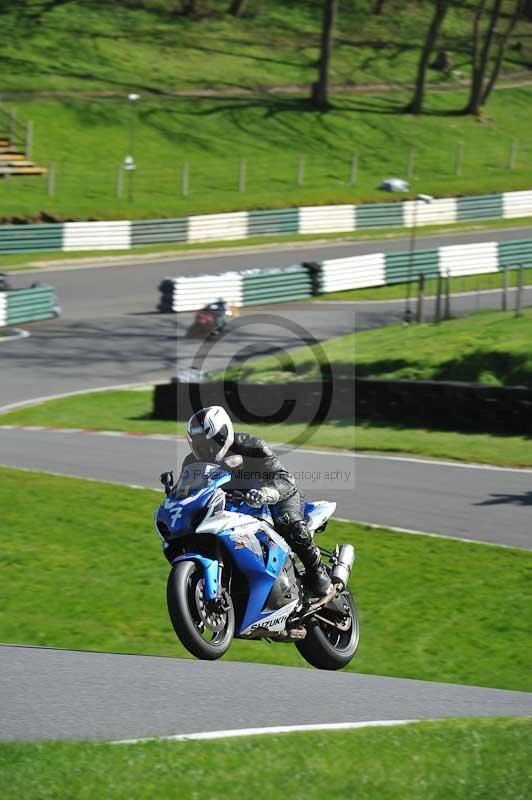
{"x":267,"y":495}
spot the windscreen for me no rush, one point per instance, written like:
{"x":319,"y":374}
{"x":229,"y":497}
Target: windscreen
{"x":195,"y":477}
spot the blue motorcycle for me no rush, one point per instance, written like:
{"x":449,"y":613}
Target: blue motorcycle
{"x":233,"y":576}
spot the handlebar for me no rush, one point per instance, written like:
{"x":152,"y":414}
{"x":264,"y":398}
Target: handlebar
{"x":236,"y":496}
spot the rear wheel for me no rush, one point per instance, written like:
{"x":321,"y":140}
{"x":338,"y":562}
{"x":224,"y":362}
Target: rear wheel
{"x":204,"y":627}
{"x":327,"y":646}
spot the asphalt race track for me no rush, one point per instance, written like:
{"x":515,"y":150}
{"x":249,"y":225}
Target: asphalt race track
{"x":110,"y":334}
{"x":464,"y":502}
{"x":61,"y":694}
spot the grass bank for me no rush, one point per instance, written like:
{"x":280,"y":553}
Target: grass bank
{"x":430,"y":608}
{"x":489,"y":347}
{"x":470,"y":759}
{"x":151,"y":46}
{"x":131,"y":411}
{"x":87,"y":138}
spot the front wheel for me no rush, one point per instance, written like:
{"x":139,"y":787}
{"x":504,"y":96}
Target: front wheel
{"x":329,"y":647}
{"x":206,"y":630}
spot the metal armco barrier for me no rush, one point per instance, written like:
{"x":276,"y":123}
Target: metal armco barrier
{"x":28,"y":305}
{"x":451,"y":406}
{"x":124,"y":234}
{"x":253,"y":287}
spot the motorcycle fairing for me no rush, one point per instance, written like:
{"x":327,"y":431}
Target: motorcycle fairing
{"x":317,"y":513}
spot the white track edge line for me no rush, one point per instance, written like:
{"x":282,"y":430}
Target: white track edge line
{"x":19,"y":333}
{"x":456,"y":538}
{"x":276,"y":729}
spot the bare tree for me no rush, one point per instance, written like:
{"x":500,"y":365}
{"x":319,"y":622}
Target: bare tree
{"x":440,"y":10}
{"x":483,"y":79}
{"x":320,"y":89}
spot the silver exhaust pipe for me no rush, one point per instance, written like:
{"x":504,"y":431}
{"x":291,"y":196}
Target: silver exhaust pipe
{"x":343,"y":560}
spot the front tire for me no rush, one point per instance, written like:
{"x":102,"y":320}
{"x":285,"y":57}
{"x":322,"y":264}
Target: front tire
{"x":207,"y":633}
{"x":326,"y":647}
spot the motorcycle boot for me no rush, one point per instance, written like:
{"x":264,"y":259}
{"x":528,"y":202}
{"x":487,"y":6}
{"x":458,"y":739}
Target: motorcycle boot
{"x":316,"y":576}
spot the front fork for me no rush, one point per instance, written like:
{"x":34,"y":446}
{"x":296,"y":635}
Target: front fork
{"x":212,"y":573}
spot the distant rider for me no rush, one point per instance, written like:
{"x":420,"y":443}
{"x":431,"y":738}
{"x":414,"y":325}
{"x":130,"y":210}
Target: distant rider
{"x":264,"y":480}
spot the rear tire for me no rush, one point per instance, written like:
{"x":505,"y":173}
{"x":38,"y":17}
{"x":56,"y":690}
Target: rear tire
{"x":205,"y":633}
{"x":326,"y":647}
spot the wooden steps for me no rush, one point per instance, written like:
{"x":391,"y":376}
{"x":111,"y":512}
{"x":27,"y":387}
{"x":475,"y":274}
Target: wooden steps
{"x":13,"y":163}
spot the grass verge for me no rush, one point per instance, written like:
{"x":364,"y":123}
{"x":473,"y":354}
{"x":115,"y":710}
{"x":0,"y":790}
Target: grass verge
{"x":469,"y":759}
{"x":431,"y":608}
{"x":131,"y":411}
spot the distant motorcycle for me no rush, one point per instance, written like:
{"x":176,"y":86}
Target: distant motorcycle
{"x":211,"y":320}
{"x":233,"y":576}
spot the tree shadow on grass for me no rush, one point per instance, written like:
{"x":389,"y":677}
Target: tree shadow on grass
{"x":507,"y":369}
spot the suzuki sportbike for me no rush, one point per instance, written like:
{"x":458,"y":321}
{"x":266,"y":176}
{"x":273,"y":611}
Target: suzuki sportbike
{"x":234,"y":576}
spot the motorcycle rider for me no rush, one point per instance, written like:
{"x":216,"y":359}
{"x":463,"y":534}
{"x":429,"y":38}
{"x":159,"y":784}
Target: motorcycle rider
{"x":264,"y":480}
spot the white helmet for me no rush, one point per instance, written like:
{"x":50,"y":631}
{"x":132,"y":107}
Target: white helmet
{"x":210,"y":433}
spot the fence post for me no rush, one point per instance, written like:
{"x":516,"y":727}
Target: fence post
{"x":185,"y":175}
{"x":242,"y":176}
{"x":28,"y":148}
{"x":51,"y":180}
{"x":519,"y":295}
{"x":301,"y":170}
{"x":12,"y":124}
{"x":119,"y":180}
{"x":437,"y":309}
{"x":459,"y":158}
{"x":504,"y":287}
{"x":410,"y":167}
{"x":513,"y":154}
{"x":354,"y":169}
{"x":420,"y":299}
{"x":447,"y":312}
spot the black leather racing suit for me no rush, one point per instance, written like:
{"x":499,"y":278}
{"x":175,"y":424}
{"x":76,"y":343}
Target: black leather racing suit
{"x":261,"y":468}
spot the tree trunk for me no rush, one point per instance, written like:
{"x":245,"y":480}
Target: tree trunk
{"x":238,"y":7}
{"x":379,"y":6}
{"x":320,"y":90}
{"x":503,"y":41}
{"x":440,"y":10}
{"x":474,"y":105}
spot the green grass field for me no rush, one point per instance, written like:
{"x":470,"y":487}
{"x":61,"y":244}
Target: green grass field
{"x":81,"y":567}
{"x":271,"y":134}
{"x":148,"y":45}
{"x":489,"y":347}
{"x":71,"y":69}
{"x":131,"y":411}
{"x":470,"y":759}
